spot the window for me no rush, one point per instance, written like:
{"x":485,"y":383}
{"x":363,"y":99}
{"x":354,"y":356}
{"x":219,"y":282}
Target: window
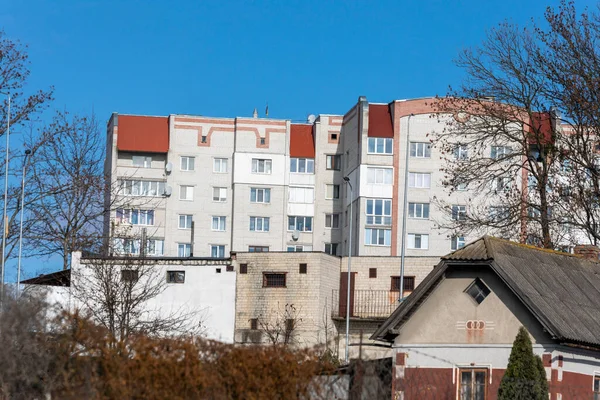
{"x":155,"y":247}
{"x":175,"y":276}
{"x":184,"y":249}
{"x":478,"y":290}
{"x":243,"y":268}
{"x":217,"y":251}
{"x":378,"y":237}
{"x":596,"y":387}
{"x":259,"y":224}
{"x":126,"y":246}
{"x":129,"y":275}
{"x":420,"y":149}
{"x":203,"y":139}
{"x":186,"y":192}
{"x":298,"y":248}
{"x":473,"y":384}
{"x":459,"y":213}
{"x":220,"y":194}
{"x":499,"y":213}
{"x":258,"y":249}
{"x":461,"y":152}
{"x":185,"y":221}
{"x":331,"y":248}
{"x":132,"y":187}
{"x":418,"y":241}
{"x":380,"y":176}
{"x":419,"y":180}
{"x":333,"y":137}
{"x":380,"y":145}
{"x":379,"y":212}
{"x":218,"y":223}
{"x":187,"y":163}
{"x":457,"y":242}
{"x":260,"y":195}
{"x":334,"y":162}
{"x":302,"y":268}
{"x":254,"y":324}
{"x":499,"y":152}
{"x":298,"y":223}
{"x":263,"y":141}
{"x":461,"y":186}
{"x":301,"y":195}
{"x":135,"y":217}
{"x":220,"y":165}
{"x":332,"y":221}
{"x":261,"y":166}
{"x":332,"y":192}
{"x":409,"y":284}
{"x":272,"y":279}
{"x":142,"y":161}
{"x":302,"y":165}
{"x":418,"y":210}
{"x":372,"y":272}
{"x":501,"y":184}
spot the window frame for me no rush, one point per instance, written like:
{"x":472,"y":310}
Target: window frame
{"x":461,"y":152}
{"x":174,"y":276}
{"x":387,"y":237}
{"x":305,"y":191}
{"x":387,"y":144}
{"x":187,"y":160}
{"x":423,"y":147}
{"x":482,"y":289}
{"x":143,"y":187}
{"x":188,"y":189}
{"x":409,"y":284}
{"x":333,"y":162}
{"x":413,"y":180}
{"x":146,"y":161}
{"x":459,"y":212}
{"x":185,"y":225}
{"x":456,"y":241}
{"x":255,"y":247}
{"x":267,"y":166}
{"x":263,"y":220}
{"x":472,"y":382}
{"x":282,"y":283}
{"x":387,"y":174}
{"x":221,"y":161}
{"x":333,"y":248}
{"x":304,"y":217}
{"x":332,"y":219}
{"x":412,"y":209}
{"x":384,"y":218}
{"x":218,"y":248}
{"x":130,"y":275}
{"x":307,"y":162}
{"x":497,"y":155}
{"x":264,"y":192}
{"x":333,"y":191}
{"x":414,"y":241}
{"x":221,"y":223}
{"x":127,"y":216}
{"x":187,"y":250}
{"x":219,"y":198}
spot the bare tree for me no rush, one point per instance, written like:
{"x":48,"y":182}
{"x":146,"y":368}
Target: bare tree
{"x":280,"y":325}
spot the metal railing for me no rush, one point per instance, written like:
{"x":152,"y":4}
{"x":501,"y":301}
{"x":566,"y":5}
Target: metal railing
{"x":365,"y":304}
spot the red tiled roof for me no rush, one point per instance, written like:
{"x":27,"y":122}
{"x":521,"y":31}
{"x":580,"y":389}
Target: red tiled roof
{"x":143,"y":134}
{"x":380,"y":121}
{"x":302,"y":142}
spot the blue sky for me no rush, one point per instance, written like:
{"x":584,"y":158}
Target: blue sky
{"x":224,"y":58}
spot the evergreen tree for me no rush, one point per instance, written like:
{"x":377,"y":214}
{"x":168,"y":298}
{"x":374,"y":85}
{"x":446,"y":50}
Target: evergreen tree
{"x":525,"y":377}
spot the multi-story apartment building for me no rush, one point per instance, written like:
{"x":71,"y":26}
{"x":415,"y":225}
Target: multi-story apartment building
{"x":206,"y":186}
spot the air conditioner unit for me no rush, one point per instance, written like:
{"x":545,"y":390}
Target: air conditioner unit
{"x":168,"y":167}
{"x":168,"y":191}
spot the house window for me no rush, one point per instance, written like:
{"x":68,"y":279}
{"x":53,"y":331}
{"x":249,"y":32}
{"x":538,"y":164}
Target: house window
{"x":379,"y":212}
{"x":135,"y":217}
{"x":457,"y":242}
{"x":220,"y":194}
{"x":596,"y":387}
{"x":187,"y":163}
{"x":473,"y":384}
{"x":186,"y":193}
{"x":499,"y":213}
{"x":132,"y":187}
{"x":409,"y":284}
{"x":459,"y":213}
{"x":300,"y":223}
{"x":129,"y":275}
{"x":378,"y":237}
{"x":142,"y":161}
{"x":372,"y":272}
{"x":218,"y":223}
{"x":332,"y":221}
{"x":331,"y":248}
{"x":254,"y":324}
{"x":379,"y":176}
{"x":461,"y":152}
{"x":155,"y":247}
{"x":379,"y":145}
{"x":263,"y":141}
{"x":273,"y":279}
{"x":418,"y":241}
{"x":217,"y":251}
{"x":303,"y":268}
{"x":259,"y":224}
{"x":419,"y":180}
{"x":261,"y":166}
{"x":301,"y":195}
{"x":203,"y":139}
{"x":501,"y":184}
{"x":461,"y":186}
{"x":420,"y":149}
{"x":243,"y":268}
{"x":500,"y":152}
{"x":332,"y":192}
{"x":258,"y":249}
{"x":418,"y":210}
{"x":184,"y":249}
{"x":220,"y":165}
{"x":298,"y":248}
{"x":478,"y":290}
{"x":260,"y":195}
{"x":185,"y":221}
{"x":302,"y":165}
{"x":334,"y":162}
{"x":126,"y":246}
{"x":175,"y":276}
{"x":333,"y":137}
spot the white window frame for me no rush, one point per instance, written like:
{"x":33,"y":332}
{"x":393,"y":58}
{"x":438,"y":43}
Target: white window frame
{"x":330,"y":247}
{"x":187,"y":221}
{"x":262,"y":166}
{"x":218,"y":223}
{"x":461,"y":152}
{"x":156,"y":245}
{"x":457,"y":242}
{"x":146,"y":161}
{"x":498,"y":152}
{"x":386,"y":145}
{"x":187,"y":163}
{"x":142,"y":188}
{"x":420,"y":150}
{"x":333,"y":162}
{"x":419,"y":180}
{"x":220,"y":165}
{"x":422,"y":238}
{"x":383,"y":237}
{"x":308,"y":195}
{"x":218,"y":248}
{"x":220,"y":198}
{"x":260,"y":224}
{"x":266,"y":195}
{"x":304,"y":219}
{"x":418,"y":210}
{"x":502,"y":184}
{"x":459,"y":212}
{"x":332,"y":195}
{"x":380,"y":176}
{"x":332,"y":220}
{"x":298,"y":248}
{"x":384,"y":218}
{"x":189,"y":192}
{"x":143,"y":217}
{"x":309,"y":165}
{"x":184,"y":249}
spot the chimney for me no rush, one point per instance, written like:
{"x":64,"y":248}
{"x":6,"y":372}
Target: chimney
{"x":588,"y":251}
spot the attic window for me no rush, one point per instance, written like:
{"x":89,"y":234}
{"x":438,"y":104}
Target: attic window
{"x":478,"y":290}
{"x":204,"y":139}
{"x":262,"y":141}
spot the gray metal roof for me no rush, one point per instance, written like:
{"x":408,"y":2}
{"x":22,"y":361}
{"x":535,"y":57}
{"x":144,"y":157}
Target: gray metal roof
{"x":561,"y":290}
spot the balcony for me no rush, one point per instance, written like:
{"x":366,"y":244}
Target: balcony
{"x":365,"y":304}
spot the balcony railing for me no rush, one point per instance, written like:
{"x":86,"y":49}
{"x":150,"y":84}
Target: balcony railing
{"x":365,"y":304}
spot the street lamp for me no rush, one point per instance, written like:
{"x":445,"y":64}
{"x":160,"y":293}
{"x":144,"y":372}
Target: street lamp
{"x":347,"y":180}
{"x":27,"y":153}
{"x":404,"y":211}
{"x":5,"y":204}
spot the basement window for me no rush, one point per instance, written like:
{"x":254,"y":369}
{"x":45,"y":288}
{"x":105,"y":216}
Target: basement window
{"x":175,"y":276}
{"x":274,"y":280}
{"x":478,"y":291}
{"x":129,"y":275}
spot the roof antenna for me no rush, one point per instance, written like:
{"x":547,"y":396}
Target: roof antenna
{"x":255,"y":113}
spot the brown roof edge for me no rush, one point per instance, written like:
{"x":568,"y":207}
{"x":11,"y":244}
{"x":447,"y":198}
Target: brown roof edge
{"x":380,"y":121}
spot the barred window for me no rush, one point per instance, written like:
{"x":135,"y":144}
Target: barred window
{"x":273,"y":279}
